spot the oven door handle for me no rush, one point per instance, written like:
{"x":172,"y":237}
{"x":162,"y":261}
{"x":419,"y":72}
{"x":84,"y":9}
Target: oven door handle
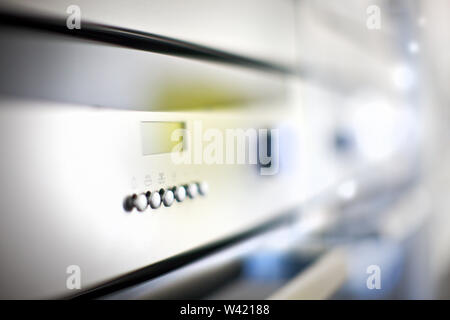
{"x":319,"y":281}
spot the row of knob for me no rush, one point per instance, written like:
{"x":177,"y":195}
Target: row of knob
{"x":167,"y":197}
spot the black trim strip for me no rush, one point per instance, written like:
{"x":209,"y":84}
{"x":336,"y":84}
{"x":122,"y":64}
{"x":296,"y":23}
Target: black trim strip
{"x":136,"y":40}
{"x":177,"y":261}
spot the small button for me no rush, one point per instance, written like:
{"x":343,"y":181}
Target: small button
{"x":192,"y":190}
{"x":180,"y":193}
{"x":128,"y":203}
{"x":154,"y":199}
{"x":167,"y":197}
{"x":140,"y":202}
{"x":203,"y":188}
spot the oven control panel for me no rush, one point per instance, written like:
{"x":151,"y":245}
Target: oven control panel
{"x":126,"y":191}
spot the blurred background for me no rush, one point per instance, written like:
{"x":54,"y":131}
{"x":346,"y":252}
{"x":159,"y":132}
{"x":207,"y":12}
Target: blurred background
{"x":374,"y":79}
{"x":369,"y":81}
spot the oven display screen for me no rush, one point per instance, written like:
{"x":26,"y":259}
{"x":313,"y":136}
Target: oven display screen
{"x":162,"y":137}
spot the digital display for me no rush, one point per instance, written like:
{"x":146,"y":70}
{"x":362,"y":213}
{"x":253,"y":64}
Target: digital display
{"x":162,"y":137}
